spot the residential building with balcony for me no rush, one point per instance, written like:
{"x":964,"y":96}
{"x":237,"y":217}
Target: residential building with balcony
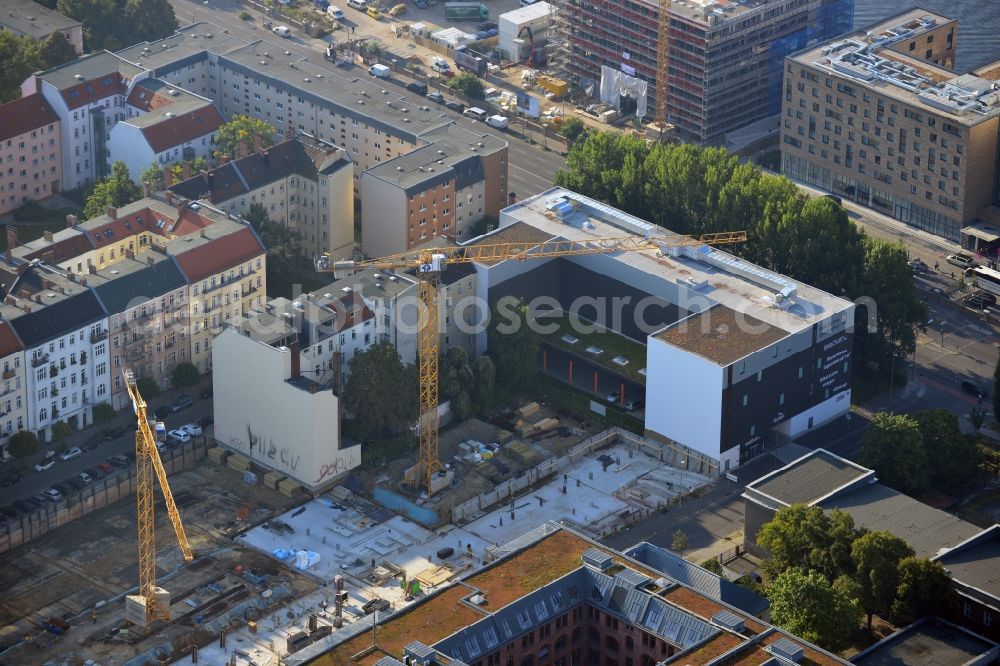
{"x":24,"y":17}
{"x":163,"y":125}
{"x":88,"y":96}
{"x":13,"y":398}
{"x":63,"y":329}
{"x":878,"y":118}
{"x":436,"y":191}
{"x":30,"y":152}
{"x":224,"y":265}
{"x":146,"y":301}
{"x":725,"y":57}
{"x":303,"y":184}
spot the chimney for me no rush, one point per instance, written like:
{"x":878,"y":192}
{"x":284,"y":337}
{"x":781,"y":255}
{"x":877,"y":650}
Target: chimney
{"x":181,"y":202}
{"x":71,"y":221}
{"x":112,"y":212}
{"x":92,"y":269}
{"x":146,"y":189}
{"x":204,"y":234}
{"x":11,"y":237}
{"x":83,"y":281}
{"x":130,"y":254}
{"x":47,"y":235}
{"x":72,"y":276}
{"x":168,"y":181}
{"x":296,"y":361}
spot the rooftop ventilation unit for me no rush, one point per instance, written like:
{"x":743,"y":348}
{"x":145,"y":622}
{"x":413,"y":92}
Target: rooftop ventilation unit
{"x":327,"y":295}
{"x":347,"y":290}
{"x":787,"y":649}
{"x":779,"y":284}
{"x":730,"y":621}
{"x":597,"y":558}
{"x":420,"y":654}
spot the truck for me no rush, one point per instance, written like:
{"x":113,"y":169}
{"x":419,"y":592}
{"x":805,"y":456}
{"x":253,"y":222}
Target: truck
{"x":499,"y":122}
{"x":380,"y":71}
{"x":468,"y":62}
{"x":466,"y":11}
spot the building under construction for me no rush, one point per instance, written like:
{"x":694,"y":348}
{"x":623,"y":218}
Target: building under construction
{"x":725,"y":56}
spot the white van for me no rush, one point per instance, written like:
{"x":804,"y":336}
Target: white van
{"x":439,"y":64}
{"x":281,"y":31}
{"x":335,"y":13}
{"x":499,"y":122}
{"x":380,"y":71}
{"x":475,"y":112}
{"x":360,"y":5}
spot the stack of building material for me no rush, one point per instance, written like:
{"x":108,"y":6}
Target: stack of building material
{"x":272,"y":479}
{"x":238,"y":462}
{"x":289,"y":488}
{"x":545,"y":425}
{"x":528,"y":410}
{"x":218,"y":455}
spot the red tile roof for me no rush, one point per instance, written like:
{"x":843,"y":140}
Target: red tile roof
{"x":8,"y":341}
{"x":73,"y":245}
{"x":145,"y":99}
{"x":174,"y":131}
{"x":219,"y":254}
{"x":25,"y":114}
{"x":94,"y":89}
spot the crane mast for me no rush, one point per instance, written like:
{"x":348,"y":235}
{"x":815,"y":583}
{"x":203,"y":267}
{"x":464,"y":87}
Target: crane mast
{"x":429,"y":264}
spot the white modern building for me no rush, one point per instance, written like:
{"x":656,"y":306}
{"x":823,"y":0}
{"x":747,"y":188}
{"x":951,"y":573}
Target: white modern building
{"x":513,"y":27}
{"x":734,"y":353}
{"x":268,"y":411}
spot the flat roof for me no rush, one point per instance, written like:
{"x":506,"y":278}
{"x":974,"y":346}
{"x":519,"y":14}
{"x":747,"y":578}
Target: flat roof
{"x":808,"y":479}
{"x":720,"y":334}
{"x":32,"y":19}
{"x":190,"y":41}
{"x":716,"y":276}
{"x":88,"y":67}
{"x":928,"y":642}
{"x":976,"y":563}
{"x":866,"y":58}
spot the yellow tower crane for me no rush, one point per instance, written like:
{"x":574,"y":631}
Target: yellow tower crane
{"x":147,"y":461}
{"x":663,"y":64}
{"x":429,"y":264}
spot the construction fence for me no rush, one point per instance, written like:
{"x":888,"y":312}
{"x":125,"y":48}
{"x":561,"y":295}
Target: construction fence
{"x":98,"y":495}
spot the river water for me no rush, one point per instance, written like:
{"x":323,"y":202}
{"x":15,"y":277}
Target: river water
{"x":978,"y":24}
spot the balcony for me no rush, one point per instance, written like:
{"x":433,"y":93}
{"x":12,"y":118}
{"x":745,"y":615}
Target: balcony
{"x":97,"y":337}
{"x":9,"y":374}
{"x":39,"y":360}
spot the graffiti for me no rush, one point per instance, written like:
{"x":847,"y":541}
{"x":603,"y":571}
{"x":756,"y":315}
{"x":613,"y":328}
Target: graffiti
{"x":336,"y":467}
{"x":287,"y":458}
{"x":238,"y":443}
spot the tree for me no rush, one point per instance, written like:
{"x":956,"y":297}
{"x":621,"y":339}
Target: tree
{"x":243,"y":133}
{"x":377,"y":384}
{"x":679,"y":541}
{"x":805,"y":537}
{"x":989,"y":460}
{"x":712,"y":564}
{"x":150,"y":20}
{"x":19,"y":61}
{"x":102,"y":413}
{"x":513,"y":345}
{"x":148,"y":388}
{"x":952,"y":458}
{"x":468,"y":84}
{"x":457,"y":379}
{"x":924,"y":587}
{"x":23,"y":443}
{"x":61,"y":430}
{"x":877,"y":556}
{"x":485,"y":385}
{"x":55,"y":50}
{"x":184,"y":376}
{"x":977,"y":417}
{"x":572,"y":127}
{"x":282,"y":244}
{"x":807,"y":605}
{"x":153,"y":177}
{"x":893,"y":447}
{"x":115,"y":24}
{"x":116,"y":190}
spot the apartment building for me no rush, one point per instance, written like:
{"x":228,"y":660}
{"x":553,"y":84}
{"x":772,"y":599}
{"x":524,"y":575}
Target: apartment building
{"x":877,"y":117}
{"x":62,"y":327}
{"x":438,"y":190}
{"x":163,"y":125}
{"x":88,"y":96}
{"x":303,"y":183}
{"x":13,"y":399}
{"x":224,"y":266}
{"x":30,"y":152}
{"x":725,"y":56}
{"x":458,"y":308}
{"x":146,"y":301}
{"x":24,"y":17}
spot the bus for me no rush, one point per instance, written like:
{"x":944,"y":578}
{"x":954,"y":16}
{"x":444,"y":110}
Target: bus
{"x":986,"y":279}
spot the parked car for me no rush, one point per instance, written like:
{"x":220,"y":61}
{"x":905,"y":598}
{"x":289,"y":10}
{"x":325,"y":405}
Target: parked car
{"x":192,"y":429}
{"x":397,"y":10}
{"x":282,"y":31}
{"x":435,"y":97}
{"x":64,"y":488}
{"x":373,"y":13}
{"x":206,"y":394}
{"x":183,"y":402}
{"x":417,"y":87}
{"x":119,"y":461}
{"x":10,"y":479}
{"x":86,"y":478}
{"x":179,"y":436}
{"x":961,"y":260}
{"x":487,"y":25}
{"x":95,"y":472}
{"x":162,"y":412}
{"x":916,"y":265}
{"x":105,"y":467}
{"x":71,"y":453}
{"x":27,"y":505}
{"x":52,"y":494}
{"x":44,"y":465}
{"x":614,"y":396}
{"x":834,"y":198}
{"x":973,"y":388}
{"x":455,"y":106}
